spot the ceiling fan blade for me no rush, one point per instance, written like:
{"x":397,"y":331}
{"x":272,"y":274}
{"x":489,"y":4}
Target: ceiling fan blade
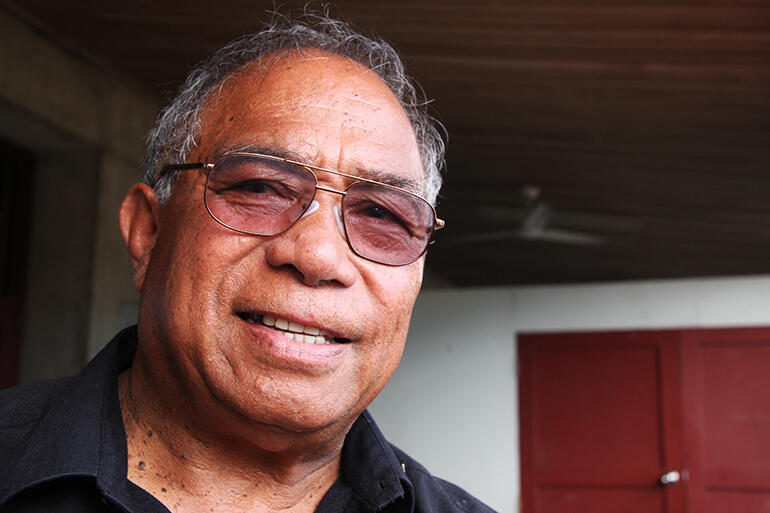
{"x":470,"y":238}
{"x":564,"y":237}
{"x":592,"y":221}
{"x":546,"y":235}
{"x":567,"y":218}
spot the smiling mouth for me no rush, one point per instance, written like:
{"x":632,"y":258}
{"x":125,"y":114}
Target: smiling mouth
{"x":293,"y":330}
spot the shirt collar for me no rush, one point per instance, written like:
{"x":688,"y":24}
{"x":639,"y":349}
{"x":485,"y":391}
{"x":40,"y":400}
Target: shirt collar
{"x":72,"y":430}
{"x":372,"y":468}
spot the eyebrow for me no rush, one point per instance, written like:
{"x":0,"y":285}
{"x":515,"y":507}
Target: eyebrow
{"x":386,"y":177}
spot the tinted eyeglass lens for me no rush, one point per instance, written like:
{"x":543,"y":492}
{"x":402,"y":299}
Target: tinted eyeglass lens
{"x":387,"y":225}
{"x":263,"y":196}
{"x":257,"y":195}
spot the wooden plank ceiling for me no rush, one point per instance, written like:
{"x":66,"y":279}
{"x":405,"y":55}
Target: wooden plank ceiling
{"x":641,"y":129}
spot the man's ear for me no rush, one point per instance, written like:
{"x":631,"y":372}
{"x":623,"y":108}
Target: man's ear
{"x":138,"y":219}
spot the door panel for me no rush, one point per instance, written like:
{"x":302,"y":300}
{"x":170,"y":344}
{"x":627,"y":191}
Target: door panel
{"x":594,"y":428}
{"x":593,"y":384}
{"x":727,"y":386}
{"x":600,"y":500}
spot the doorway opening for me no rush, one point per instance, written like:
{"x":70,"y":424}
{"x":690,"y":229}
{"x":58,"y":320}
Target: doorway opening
{"x":17,"y":167}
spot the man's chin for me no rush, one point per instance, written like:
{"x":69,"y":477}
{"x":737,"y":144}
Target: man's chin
{"x":291,"y":416}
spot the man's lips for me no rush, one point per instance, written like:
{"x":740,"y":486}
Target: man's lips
{"x":293,"y":330}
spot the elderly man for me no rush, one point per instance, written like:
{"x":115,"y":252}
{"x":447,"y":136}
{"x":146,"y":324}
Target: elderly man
{"x":278,"y":245}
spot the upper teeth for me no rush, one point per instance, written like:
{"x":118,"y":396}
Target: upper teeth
{"x":298,"y":332}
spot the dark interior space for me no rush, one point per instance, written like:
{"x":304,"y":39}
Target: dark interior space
{"x":17,"y":168}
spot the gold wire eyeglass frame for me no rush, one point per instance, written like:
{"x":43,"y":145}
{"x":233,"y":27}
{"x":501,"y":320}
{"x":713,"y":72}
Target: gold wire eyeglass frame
{"x":438,"y":224}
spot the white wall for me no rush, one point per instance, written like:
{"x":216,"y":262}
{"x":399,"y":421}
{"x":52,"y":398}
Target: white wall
{"x":452,"y":404}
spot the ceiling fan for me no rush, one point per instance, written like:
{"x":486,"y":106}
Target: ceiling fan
{"x":533,"y":219}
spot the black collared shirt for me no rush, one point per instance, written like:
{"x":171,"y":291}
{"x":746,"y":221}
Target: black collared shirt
{"x":63,"y":448}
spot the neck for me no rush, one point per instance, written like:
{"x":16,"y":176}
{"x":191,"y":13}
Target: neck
{"x":188,"y":467}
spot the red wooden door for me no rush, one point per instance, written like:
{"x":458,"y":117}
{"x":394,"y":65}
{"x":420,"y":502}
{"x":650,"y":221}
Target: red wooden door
{"x":726,"y":377}
{"x":599,"y":422}
{"x":605,"y":415}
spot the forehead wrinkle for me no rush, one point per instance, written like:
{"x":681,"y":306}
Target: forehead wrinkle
{"x":256,"y":148}
{"x":386,"y":177}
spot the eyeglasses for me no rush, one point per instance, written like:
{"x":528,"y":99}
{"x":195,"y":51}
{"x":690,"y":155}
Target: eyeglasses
{"x":265,"y":195}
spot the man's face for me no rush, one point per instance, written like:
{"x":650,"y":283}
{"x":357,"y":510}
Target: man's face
{"x":205,"y":285}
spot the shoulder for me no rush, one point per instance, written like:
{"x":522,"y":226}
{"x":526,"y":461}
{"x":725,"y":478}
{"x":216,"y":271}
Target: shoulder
{"x":435,"y":494}
{"x":22,"y":408}
{"x":27,"y":403}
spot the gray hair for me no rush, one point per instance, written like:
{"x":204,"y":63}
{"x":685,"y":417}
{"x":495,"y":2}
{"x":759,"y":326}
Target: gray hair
{"x":178,"y":125}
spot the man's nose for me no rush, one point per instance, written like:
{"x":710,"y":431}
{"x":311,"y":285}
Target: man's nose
{"x":315,"y":248}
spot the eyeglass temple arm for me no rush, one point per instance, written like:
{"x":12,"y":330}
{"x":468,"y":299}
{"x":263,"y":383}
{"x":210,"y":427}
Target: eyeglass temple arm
{"x":439,"y":224}
{"x":184,"y":167}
